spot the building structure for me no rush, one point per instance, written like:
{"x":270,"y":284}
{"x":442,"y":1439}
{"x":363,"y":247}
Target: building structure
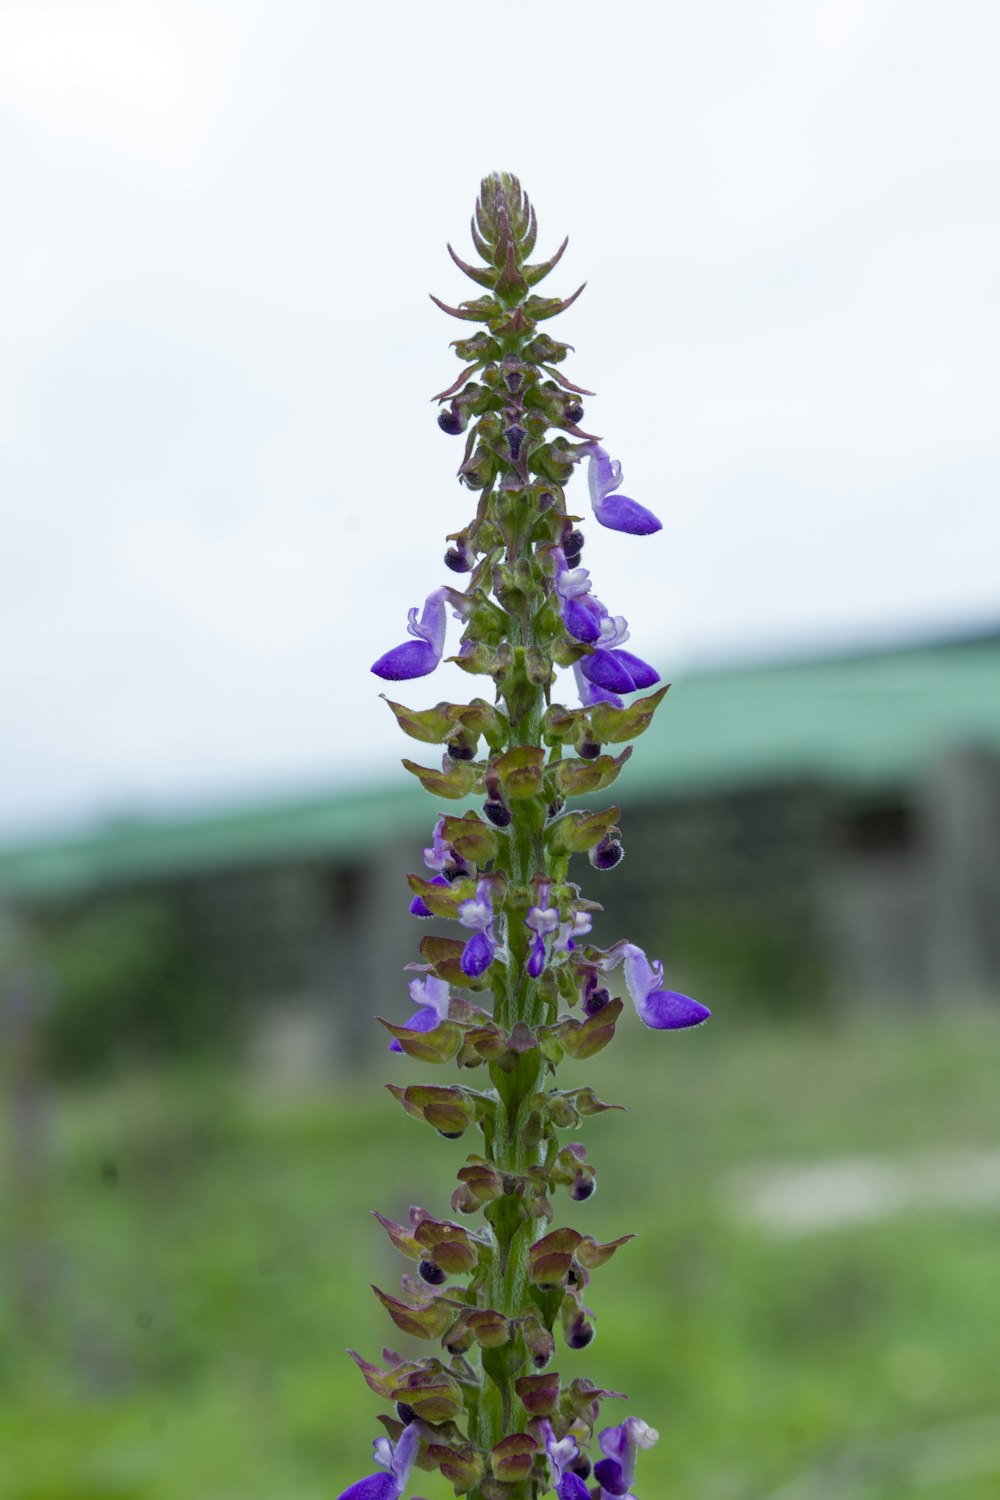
{"x":796,"y":832}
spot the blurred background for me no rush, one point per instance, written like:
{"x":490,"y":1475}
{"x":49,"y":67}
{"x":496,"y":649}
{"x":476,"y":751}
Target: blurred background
{"x":222,"y":486}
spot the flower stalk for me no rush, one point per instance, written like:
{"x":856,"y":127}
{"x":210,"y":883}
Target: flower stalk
{"x":520,"y":986}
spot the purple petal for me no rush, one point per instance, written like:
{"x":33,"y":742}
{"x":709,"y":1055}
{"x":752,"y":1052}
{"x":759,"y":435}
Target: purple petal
{"x":640,"y":671}
{"x":582,"y":622}
{"x":374,"y":1487}
{"x":608,"y":1473}
{"x":404,"y":1455}
{"x":604,"y":669}
{"x":411,"y":659}
{"x":572,"y":1487}
{"x":418,"y":906}
{"x":666,"y":1010}
{"x":425,"y":1019}
{"x":477,"y":955}
{"x":614,"y":1440}
{"x":536,"y":957}
{"x":619,"y":513}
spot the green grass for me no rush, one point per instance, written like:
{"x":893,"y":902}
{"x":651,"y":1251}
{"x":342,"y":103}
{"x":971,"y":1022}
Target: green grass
{"x":201,"y":1253}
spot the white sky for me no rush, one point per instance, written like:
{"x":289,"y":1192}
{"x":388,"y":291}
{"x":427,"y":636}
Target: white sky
{"x":221,"y":481}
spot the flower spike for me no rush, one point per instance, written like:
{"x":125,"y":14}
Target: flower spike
{"x":515,"y":985}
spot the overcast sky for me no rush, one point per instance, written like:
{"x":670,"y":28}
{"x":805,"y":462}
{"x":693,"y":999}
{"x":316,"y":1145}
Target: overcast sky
{"x":221,"y":480}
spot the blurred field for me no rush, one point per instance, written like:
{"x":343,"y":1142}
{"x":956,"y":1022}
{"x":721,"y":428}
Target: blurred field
{"x":195,"y":1251}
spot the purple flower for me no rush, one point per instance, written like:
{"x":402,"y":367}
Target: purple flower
{"x":477,"y":913}
{"x":433,"y":996}
{"x":590,"y":693}
{"x":615,"y":1472}
{"x":608,"y":669}
{"x":418,"y":906}
{"x":582,"y":615}
{"x":440,"y":852}
{"x":543,"y":920}
{"x":579,"y":925}
{"x":660,"y":1009}
{"x":397,"y":1460}
{"x":439,"y":857}
{"x":617,"y":512}
{"x":418,"y":657}
{"x":561,"y":1454}
{"x":618,"y":671}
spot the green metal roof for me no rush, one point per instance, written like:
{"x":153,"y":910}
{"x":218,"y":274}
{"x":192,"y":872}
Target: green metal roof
{"x":870,"y":719}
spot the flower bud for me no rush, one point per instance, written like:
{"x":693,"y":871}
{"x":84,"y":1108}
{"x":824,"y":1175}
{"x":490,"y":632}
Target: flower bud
{"x":596,"y":1001}
{"x":498,"y":812}
{"x":455,"y":420}
{"x":572,"y":545}
{"x":606,"y":854}
{"x":405,"y":1413}
{"x":583,"y":1185}
{"x":579,"y":1330}
{"x":459,"y":556}
{"x":432,"y":1274}
{"x":539,"y":1343}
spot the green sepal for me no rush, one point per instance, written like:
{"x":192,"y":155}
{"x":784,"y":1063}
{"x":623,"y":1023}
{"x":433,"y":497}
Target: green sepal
{"x":427,"y":1321}
{"x":543,"y":350}
{"x":463,"y":1466}
{"x":613,"y":725}
{"x":576,"y":832}
{"x":539,"y":1394}
{"x":401,"y":1237}
{"x":583,"y":1396}
{"x":540,"y":308}
{"x":513,"y":1457}
{"x":521,"y":770}
{"x":378,"y":1380}
{"x":488,"y":1040}
{"x":588,"y":1103}
{"x":550,"y":1258}
{"x":479,"y":1183}
{"x":442,"y":900}
{"x":444,"y":954}
{"x":437,"y":1046}
{"x":480,"y":717}
{"x":591,"y":1255}
{"x":448,"y":1108}
{"x":584,"y":1039}
{"x":472,"y":838}
{"x":550,"y":1044}
{"x":434,"y":1397}
{"x":481,"y":347}
{"x":432,"y":726}
{"x":575,"y":778}
{"x":449,"y":1247}
{"x":479,"y":659}
{"x":456,"y":779}
{"x":489,"y":1327}
{"x":561,"y":725}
